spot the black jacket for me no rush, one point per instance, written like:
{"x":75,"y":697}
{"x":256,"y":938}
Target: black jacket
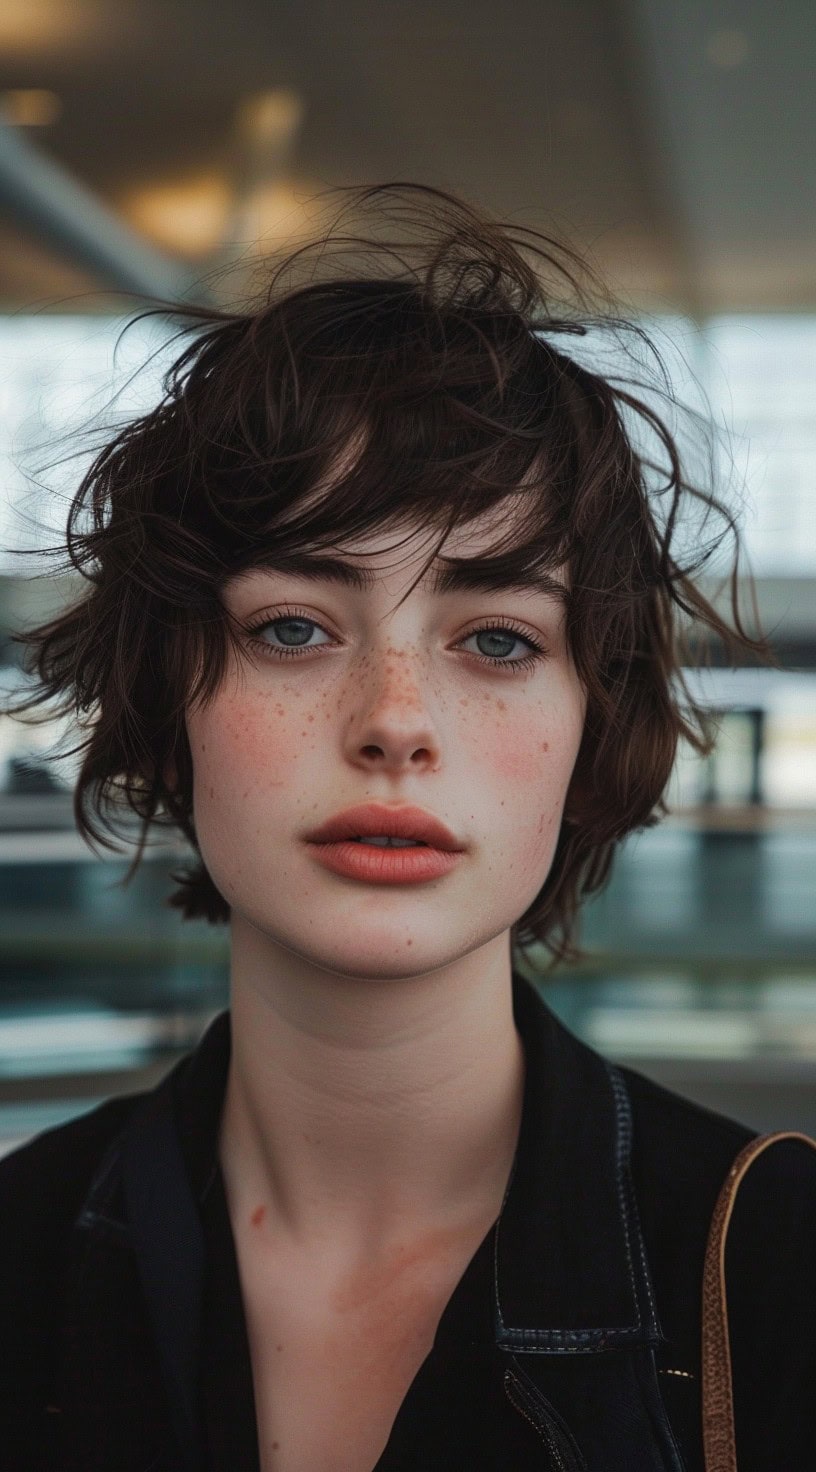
{"x":572,"y":1341}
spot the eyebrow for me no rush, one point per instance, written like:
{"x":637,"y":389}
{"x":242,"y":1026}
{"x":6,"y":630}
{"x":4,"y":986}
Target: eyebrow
{"x":473,"y":575}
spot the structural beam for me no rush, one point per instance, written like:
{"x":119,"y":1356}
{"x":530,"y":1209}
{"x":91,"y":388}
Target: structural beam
{"x":63,"y":212}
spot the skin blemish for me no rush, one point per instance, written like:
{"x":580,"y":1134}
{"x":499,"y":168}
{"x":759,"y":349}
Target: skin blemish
{"x":395,"y":1280}
{"x":258,"y":1215}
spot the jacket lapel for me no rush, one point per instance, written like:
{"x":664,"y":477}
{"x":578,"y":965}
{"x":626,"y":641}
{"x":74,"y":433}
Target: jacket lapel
{"x":574,"y":1306}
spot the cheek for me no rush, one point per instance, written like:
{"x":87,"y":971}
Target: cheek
{"x":241,"y":749}
{"x":517,"y":758}
{"x":526,"y":759}
{"x":532,"y":750}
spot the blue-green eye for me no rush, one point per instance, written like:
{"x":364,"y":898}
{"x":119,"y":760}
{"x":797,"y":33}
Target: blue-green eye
{"x":296,"y":627}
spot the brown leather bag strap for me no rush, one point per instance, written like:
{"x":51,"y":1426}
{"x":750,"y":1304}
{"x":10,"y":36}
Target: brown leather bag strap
{"x":719,"y":1448}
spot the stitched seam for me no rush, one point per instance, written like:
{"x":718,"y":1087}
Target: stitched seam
{"x":543,"y":1430}
{"x":677,"y":1464}
{"x":565,"y":1341}
{"x":560,"y":1439}
{"x":496,"y":1230}
{"x":576,"y":1341}
{"x":624,"y":1135}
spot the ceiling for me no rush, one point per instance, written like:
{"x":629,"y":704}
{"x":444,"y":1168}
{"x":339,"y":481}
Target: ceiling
{"x":674,"y":138}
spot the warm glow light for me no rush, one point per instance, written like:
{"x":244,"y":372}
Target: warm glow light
{"x":270,"y":117}
{"x":274,"y":213}
{"x":189,"y":215}
{"x":30,"y":107}
{"x":37,"y":27}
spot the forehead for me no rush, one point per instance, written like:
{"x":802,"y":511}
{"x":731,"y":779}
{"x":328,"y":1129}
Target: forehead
{"x":396,"y":556}
{"x":409,"y":541}
{"x":472,"y":539}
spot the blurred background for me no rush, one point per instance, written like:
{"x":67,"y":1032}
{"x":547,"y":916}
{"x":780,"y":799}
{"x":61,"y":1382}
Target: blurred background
{"x":144,"y":149}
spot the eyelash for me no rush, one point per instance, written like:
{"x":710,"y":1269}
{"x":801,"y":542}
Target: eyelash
{"x":526,"y":662}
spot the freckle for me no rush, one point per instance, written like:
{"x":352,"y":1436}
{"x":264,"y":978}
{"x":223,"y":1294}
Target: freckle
{"x":278,"y":1346}
{"x":545,"y":746}
{"x":258,"y":1215}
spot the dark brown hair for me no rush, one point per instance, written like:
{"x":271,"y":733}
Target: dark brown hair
{"x":442,"y":353}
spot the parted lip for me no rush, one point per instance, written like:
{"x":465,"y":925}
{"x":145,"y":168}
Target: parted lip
{"x":372,"y":819}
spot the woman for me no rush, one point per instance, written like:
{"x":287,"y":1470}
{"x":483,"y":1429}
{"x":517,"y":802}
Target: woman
{"x":384,"y":612}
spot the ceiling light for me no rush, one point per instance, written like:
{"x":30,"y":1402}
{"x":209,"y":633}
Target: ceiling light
{"x":39,"y":27}
{"x":30,"y":107}
{"x":269,"y":117}
{"x":188,"y":215}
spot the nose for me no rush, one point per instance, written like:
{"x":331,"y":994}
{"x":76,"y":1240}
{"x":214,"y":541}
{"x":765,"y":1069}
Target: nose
{"x":392,"y":722}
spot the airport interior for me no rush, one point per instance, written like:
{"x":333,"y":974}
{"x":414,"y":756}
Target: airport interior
{"x":164,"y":151}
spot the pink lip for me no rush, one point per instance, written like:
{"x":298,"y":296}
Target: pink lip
{"x":373,"y":819}
{"x":384,"y":865}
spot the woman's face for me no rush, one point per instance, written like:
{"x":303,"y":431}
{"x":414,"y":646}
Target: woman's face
{"x":401,"y":705}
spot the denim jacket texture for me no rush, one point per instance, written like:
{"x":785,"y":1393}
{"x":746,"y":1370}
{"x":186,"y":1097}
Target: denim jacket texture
{"x":593,"y":1291}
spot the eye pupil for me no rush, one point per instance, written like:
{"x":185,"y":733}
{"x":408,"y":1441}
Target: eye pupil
{"x":508,"y":640}
{"x":303,"y":624}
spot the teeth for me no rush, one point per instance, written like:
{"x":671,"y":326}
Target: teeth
{"x":392,"y":842}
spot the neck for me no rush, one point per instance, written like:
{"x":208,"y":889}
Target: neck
{"x":363,"y":1110}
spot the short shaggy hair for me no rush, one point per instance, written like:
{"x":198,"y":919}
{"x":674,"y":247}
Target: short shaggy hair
{"x":442,"y":354}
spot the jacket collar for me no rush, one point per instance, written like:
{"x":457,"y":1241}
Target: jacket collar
{"x":570,"y":1273}
{"x":570,"y":1263}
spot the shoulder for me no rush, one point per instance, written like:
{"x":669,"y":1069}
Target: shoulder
{"x":43,"y":1185}
{"x":42,"y":1188}
{"x":56,"y":1165}
{"x":682,"y":1152}
{"x":681,"y":1155}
